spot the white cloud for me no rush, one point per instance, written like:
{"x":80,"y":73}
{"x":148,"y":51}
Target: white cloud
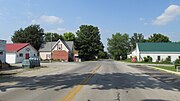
{"x":59,"y":30}
{"x":48,"y":19}
{"x":170,"y":14}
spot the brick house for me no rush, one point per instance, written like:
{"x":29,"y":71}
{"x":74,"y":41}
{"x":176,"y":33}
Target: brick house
{"x":61,"y":50}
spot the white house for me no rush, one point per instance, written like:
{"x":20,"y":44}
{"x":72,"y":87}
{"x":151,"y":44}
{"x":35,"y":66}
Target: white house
{"x":158,"y":51}
{"x":61,"y":50}
{"x":17,"y":52}
{"x":3,"y":51}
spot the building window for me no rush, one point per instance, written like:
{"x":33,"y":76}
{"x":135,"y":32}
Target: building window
{"x":59,"y":46}
{"x":158,"y":58}
{"x":48,"y":56}
{"x":20,"y":54}
{"x":1,"y":52}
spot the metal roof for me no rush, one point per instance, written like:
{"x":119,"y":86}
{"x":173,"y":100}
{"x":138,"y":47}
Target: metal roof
{"x":159,"y":47}
{"x":15,"y":47}
{"x":46,"y":47}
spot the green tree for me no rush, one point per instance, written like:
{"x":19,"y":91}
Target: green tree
{"x":119,"y":45}
{"x":103,"y":55}
{"x":137,"y":37}
{"x":68,"y":36}
{"x":158,"y":38}
{"x":88,"y":42}
{"x":32,"y":34}
{"x":55,"y":37}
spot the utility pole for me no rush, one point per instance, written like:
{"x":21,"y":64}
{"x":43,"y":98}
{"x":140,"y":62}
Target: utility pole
{"x":51,"y":49}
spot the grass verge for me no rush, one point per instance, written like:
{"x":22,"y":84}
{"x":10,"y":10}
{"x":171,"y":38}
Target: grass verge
{"x":170,"y":68}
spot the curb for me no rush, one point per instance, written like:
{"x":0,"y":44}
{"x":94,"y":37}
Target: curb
{"x":172,"y":72}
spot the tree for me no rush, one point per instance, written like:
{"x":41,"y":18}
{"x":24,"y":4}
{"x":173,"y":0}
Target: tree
{"x":158,"y":38}
{"x":103,"y":55}
{"x":68,"y":36}
{"x":32,"y":34}
{"x":88,"y":42}
{"x":55,"y":37}
{"x":137,"y":37}
{"x":119,"y":45}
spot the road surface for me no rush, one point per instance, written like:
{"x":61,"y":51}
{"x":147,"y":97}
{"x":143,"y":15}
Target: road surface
{"x":104,"y":80}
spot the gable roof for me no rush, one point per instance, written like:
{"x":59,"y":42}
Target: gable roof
{"x":159,"y":47}
{"x":70,"y":45}
{"x":10,"y":47}
{"x":46,"y":47}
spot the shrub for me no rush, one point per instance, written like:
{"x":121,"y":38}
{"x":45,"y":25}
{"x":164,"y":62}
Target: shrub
{"x":134,"y":59}
{"x":177,"y":61}
{"x":166,"y":61}
{"x":148,"y":59}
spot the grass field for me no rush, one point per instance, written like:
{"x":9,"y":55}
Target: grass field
{"x":171,"y":68}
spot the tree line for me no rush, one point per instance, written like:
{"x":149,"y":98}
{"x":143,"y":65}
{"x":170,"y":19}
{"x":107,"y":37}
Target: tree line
{"x":87,"y":41}
{"x":119,"y":45}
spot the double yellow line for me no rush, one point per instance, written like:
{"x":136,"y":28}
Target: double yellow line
{"x":77,"y":88}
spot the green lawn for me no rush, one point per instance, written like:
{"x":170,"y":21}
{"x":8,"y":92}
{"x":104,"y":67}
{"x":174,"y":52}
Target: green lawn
{"x":171,"y":68}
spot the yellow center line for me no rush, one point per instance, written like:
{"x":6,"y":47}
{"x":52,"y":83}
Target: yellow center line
{"x":77,"y":88}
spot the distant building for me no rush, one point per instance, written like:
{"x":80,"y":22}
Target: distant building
{"x":17,"y":52}
{"x":61,"y":50}
{"x":3,"y":51}
{"x":158,"y":51}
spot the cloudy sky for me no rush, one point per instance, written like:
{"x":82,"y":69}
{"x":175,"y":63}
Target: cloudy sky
{"x":110,"y":16}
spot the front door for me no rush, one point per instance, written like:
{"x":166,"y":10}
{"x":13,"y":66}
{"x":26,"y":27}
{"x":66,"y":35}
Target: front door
{"x":27,"y":55}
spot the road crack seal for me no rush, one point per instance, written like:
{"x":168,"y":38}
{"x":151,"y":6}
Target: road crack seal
{"x":118,"y":97}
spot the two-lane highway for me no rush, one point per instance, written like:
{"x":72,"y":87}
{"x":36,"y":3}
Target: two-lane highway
{"x":104,"y":80}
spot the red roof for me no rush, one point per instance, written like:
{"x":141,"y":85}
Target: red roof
{"x":15,"y":47}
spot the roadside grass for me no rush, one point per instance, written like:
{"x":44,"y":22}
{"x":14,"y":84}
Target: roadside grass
{"x":171,"y":68}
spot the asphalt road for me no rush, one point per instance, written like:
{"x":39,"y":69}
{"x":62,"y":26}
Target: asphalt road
{"x":89,"y":81}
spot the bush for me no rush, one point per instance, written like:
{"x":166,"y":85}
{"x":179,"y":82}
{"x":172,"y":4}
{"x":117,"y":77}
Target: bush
{"x":166,"y":61}
{"x":134,"y":59}
{"x":148,"y":59}
{"x":177,"y":61}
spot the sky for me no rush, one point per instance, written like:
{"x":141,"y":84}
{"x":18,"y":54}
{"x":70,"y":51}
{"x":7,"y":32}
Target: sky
{"x":110,"y":16}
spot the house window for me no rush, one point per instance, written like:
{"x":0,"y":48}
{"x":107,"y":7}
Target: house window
{"x":48,"y":56}
{"x":1,"y":53}
{"x":20,"y":54}
{"x":158,"y":58}
{"x":59,"y":46}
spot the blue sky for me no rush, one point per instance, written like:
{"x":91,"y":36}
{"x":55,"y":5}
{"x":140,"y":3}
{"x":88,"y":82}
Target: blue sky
{"x":110,"y":16}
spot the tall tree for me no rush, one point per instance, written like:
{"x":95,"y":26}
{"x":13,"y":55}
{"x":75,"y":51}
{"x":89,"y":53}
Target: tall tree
{"x":55,"y":37}
{"x":68,"y":36}
{"x":32,"y":34}
{"x":88,"y":42}
{"x":137,"y":37}
{"x":158,"y":38}
{"x":119,"y":45}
